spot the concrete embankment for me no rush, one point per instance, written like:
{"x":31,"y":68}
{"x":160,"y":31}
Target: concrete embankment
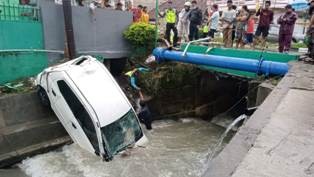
{"x":27,"y":128}
{"x":278,"y":139}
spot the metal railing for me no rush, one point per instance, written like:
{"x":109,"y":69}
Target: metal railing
{"x":15,"y":12}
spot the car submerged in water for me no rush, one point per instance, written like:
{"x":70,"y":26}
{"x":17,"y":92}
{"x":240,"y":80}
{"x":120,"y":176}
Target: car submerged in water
{"x":91,"y":106}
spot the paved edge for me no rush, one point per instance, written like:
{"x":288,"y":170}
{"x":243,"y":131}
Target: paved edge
{"x":232,"y":155}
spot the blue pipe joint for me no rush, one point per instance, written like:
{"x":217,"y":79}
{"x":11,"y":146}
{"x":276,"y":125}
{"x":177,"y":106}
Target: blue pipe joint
{"x":158,"y":53}
{"x":250,"y":65}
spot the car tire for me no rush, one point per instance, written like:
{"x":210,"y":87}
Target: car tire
{"x":43,"y":97}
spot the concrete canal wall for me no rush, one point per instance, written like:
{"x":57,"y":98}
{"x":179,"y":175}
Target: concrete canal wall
{"x":27,"y":128}
{"x":277,"y":139}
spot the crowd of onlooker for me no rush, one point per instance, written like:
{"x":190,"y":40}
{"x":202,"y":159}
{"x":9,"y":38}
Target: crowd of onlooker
{"x":140,"y":13}
{"x":237,"y":24}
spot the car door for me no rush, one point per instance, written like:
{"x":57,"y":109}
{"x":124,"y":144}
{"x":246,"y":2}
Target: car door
{"x":70,"y":111}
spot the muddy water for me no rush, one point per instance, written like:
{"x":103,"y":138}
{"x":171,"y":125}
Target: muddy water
{"x":176,"y":149}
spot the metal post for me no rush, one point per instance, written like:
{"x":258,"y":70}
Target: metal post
{"x":189,"y":43}
{"x":157,"y":19}
{"x":67,"y":11}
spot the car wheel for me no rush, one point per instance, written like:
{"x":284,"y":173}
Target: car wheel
{"x":43,"y":97}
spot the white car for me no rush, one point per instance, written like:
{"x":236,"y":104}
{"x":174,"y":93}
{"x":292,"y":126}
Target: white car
{"x":91,"y":106}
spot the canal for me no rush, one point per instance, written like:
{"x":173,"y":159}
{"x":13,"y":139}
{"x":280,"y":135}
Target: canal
{"x":177,"y":148}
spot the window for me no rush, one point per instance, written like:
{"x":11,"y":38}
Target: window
{"x":79,"y":113}
{"x":122,"y":133}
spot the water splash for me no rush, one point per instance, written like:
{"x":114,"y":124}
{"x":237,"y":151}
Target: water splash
{"x":218,"y":146}
{"x":176,"y":148}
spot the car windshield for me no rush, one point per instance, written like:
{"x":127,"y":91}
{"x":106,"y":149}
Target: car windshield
{"x":121,"y":133}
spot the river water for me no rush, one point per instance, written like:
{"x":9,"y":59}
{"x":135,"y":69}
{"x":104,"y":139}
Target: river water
{"x":176,"y":149}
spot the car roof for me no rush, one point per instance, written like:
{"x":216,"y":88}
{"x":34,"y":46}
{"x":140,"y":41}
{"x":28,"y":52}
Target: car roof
{"x":99,"y":88}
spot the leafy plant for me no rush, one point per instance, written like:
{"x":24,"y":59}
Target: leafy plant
{"x":298,"y":45}
{"x":140,"y":34}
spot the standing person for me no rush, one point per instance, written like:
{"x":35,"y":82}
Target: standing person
{"x":145,"y":16}
{"x":266,"y":17}
{"x":309,"y":39}
{"x":195,"y":18}
{"x":205,"y":29}
{"x":241,"y":19}
{"x":137,"y":12}
{"x":214,"y":21}
{"x":311,"y":9}
{"x":228,"y":18}
{"x":250,"y":31}
{"x":144,"y":114}
{"x":234,"y":7}
{"x":119,"y":6}
{"x":171,"y":19}
{"x":184,"y":23}
{"x":286,"y":22}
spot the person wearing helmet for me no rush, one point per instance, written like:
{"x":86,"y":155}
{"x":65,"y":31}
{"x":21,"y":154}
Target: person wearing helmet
{"x":184,"y":23}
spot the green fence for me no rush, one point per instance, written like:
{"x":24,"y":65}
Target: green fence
{"x":245,"y":54}
{"x":20,"y":30}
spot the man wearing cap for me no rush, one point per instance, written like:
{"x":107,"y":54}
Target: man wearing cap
{"x":195,"y":18}
{"x":228,"y":18}
{"x":286,"y":23}
{"x":266,"y":17}
{"x":184,"y":23}
{"x":171,"y":19}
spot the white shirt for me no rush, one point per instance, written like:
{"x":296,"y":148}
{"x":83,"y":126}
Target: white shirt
{"x":183,"y":16}
{"x":214,"y":20}
{"x":228,"y":17}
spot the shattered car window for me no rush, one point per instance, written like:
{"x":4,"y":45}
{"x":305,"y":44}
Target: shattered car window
{"x":122,"y":133}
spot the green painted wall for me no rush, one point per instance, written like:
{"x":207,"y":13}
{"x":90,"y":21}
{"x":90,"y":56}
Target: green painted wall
{"x":21,"y":35}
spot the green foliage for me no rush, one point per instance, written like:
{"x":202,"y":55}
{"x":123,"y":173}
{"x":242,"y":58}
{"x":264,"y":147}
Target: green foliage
{"x":141,"y":34}
{"x":17,"y":86}
{"x":298,"y":45}
{"x":168,"y":76}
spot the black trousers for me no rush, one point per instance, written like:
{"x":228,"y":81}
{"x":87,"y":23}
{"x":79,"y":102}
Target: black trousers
{"x":169,"y":27}
{"x":146,"y":118}
{"x":193,"y":32}
{"x":211,"y":33}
